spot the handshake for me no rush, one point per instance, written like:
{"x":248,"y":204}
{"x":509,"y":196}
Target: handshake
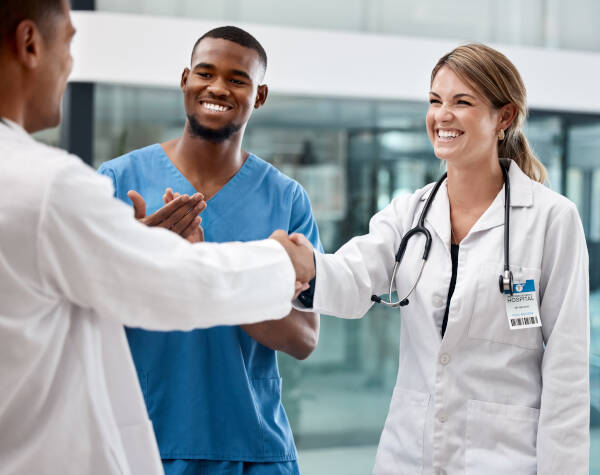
{"x":300,"y":251}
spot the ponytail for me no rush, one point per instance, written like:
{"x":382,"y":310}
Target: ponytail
{"x":516,"y":147}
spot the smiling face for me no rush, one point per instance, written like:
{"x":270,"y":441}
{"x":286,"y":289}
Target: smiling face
{"x":222,"y":87}
{"x":462,"y":124}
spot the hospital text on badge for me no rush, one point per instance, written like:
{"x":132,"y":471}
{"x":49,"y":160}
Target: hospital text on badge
{"x":522,"y":308}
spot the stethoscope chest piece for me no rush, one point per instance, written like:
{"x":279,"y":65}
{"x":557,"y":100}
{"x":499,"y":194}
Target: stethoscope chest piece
{"x":506,"y":282}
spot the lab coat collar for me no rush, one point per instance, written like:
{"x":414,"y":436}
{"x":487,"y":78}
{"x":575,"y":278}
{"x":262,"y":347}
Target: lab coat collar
{"x":521,"y":186}
{"x":438,"y":216}
{"x":7,"y":126}
{"x":521,"y":195}
{"x":521,"y":190}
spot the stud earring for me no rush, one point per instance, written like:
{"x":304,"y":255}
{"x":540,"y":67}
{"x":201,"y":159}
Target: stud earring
{"x":501,"y":134}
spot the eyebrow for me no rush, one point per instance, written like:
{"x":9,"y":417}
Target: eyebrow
{"x":204,"y":65}
{"x":236,"y":72}
{"x":456,"y":96}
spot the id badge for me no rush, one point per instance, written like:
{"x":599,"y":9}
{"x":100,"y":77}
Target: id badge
{"x":522,"y":308}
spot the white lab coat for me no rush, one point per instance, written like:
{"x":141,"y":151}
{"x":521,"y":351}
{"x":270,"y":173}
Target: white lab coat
{"x":485,"y":399}
{"x":74,"y":268}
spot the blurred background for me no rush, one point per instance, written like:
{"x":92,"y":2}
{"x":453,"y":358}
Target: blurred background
{"x":354,"y":136}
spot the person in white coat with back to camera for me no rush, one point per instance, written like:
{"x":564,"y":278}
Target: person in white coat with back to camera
{"x":489,"y":381}
{"x":75,"y":267}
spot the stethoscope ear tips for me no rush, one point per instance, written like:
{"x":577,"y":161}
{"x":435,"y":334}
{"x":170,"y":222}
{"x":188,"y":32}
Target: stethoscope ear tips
{"x":404,"y":303}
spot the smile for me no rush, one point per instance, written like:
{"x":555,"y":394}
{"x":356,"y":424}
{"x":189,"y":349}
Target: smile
{"x":211,"y":106}
{"x":449,"y":134}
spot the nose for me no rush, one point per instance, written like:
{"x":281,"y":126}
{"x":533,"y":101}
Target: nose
{"x":218,"y":87}
{"x":443,"y":114}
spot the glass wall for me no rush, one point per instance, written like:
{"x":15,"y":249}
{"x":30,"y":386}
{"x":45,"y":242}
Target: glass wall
{"x":569,"y":24}
{"x":353,"y":156}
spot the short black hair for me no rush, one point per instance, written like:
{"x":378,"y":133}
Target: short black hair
{"x":13,"y":12}
{"x":236,"y":35}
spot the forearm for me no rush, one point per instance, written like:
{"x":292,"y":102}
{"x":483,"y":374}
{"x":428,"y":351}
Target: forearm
{"x":93,"y":253}
{"x":296,"y":334}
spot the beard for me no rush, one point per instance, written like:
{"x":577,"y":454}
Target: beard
{"x":212,"y":135}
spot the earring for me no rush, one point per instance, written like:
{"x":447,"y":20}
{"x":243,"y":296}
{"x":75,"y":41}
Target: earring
{"x":501,"y":134}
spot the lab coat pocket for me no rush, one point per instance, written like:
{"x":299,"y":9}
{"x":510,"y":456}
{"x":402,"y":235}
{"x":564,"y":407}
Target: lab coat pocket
{"x":489,"y":320}
{"x":500,"y":439}
{"x":401,"y":445}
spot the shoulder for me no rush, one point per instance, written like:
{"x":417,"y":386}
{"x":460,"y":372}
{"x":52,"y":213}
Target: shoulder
{"x":273,"y":181}
{"x":271,"y":174}
{"x":410,"y":201}
{"x":133,"y":159}
{"x":556,"y":207}
{"x":45,"y":166}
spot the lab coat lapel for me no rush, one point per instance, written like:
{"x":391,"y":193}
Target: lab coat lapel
{"x":438,"y":217}
{"x":521,"y":196}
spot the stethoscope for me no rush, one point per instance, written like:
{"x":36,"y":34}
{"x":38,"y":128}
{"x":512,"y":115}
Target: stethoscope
{"x":505,"y":280}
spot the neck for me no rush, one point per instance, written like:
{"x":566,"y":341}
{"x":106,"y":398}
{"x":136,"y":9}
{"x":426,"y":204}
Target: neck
{"x":12,"y":105}
{"x":474,"y":185}
{"x":206,"y":165}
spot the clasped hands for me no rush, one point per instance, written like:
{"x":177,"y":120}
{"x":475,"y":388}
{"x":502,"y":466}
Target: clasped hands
{"x":180,"y":214}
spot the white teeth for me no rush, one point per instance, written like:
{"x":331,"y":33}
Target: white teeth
{"x":214,"y":107}
{"x":447,"y":134}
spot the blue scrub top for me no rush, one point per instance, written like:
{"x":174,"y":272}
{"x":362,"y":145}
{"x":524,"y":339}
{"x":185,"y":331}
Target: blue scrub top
{"x":215,"y":394}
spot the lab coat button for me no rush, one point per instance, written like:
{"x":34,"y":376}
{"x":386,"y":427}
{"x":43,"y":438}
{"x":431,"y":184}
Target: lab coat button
{"x":442,"y":417}
{"x":441,"y":471}
{"x":437,"y":301}
{"x":444,"y":358}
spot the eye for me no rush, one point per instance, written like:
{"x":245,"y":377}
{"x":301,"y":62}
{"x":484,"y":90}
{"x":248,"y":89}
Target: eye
{"x":203,"y":75}
{"x":434,"y":101}
{"x":464,"y":103}
{"x":238,"y":82}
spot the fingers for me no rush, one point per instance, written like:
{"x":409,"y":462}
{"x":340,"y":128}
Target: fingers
{"x":194,"y":232}
{"x":184,"y":215}
{"x":299,"y":287}
{"x":280,"y":235}
{"x":158,"y":218}
{"x":139,"y":205}
{"x":187,"y":219}
{"x":168,"y":196}
{"x":301,"y":256}
{"x":301,"y":240}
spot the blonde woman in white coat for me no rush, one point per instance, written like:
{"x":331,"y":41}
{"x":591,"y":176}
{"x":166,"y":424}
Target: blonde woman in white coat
{"x":474,"y":396}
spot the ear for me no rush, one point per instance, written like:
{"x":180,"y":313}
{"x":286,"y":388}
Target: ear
{"x":261,"y":96}
{"x":28,"y":44}
{"x":184,"y":78}
{"x":506,"y":116}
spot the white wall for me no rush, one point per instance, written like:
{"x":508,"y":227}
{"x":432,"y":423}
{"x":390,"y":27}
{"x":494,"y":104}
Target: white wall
{"x":145,"y":50}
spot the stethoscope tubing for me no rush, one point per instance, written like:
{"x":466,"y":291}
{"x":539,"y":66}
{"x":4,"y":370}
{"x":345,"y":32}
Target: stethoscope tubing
{"x":505,"y":280}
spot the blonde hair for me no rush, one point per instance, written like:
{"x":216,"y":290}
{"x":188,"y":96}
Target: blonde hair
{"x":493,"y":74}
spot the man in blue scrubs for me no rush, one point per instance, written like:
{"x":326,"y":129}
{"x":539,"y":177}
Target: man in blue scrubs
{"x":214,"y":396}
